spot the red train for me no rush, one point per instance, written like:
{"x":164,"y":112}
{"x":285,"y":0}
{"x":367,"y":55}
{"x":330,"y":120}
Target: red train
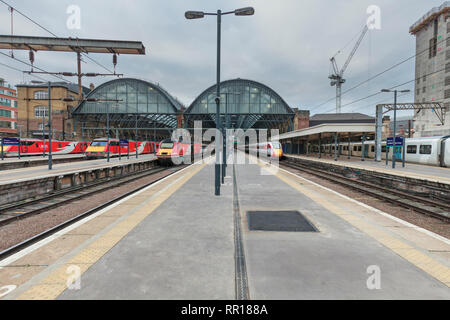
{"x":170,"y":151}
{"x":34,"y":147}
{"x":99,"y":148}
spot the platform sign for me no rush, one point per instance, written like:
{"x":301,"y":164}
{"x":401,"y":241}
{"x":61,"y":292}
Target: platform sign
{"x":390,"y":142}
{"x":10,"y":141}
{"x":399,"y":141}
{"x":123,"y":143}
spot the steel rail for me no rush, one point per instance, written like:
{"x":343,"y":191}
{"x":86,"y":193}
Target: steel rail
{"x":26,"y":243}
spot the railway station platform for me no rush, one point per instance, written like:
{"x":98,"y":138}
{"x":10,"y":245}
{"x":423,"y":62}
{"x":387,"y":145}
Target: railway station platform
{"x":24,"y":183}
{"x":270,"y":235}
{"x":26,"y":161}
{"x":411,"y":170}
{"x":32,"y":173}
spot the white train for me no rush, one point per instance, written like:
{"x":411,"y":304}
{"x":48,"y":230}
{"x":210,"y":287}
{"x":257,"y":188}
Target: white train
{"x":433,"y":151}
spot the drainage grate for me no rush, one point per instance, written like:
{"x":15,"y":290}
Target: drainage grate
{"x":287,"y":221}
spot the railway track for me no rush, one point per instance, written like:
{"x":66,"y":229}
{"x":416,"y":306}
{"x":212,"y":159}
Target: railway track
{"x":436,"y":209}
{"x":19,"y":246}
{"x":25,"y":208}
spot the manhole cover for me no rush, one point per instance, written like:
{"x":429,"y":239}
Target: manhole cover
{"x":289,"y":221}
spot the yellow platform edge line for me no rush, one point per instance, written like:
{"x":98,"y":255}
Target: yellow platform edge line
{"x":56,"y":283}
{"x":431,"y":266}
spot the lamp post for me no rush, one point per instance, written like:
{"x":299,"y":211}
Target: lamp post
{"x":50,"y":162}
{"x":395,"y":122}
{"x":248,"y":11}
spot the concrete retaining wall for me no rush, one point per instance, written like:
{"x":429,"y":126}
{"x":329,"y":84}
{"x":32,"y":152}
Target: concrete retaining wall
{"x":415,"y":186}
{"x":18,"y":191}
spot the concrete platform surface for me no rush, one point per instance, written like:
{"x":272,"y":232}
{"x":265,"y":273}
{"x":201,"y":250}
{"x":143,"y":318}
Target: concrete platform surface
{"x":175,"y":240}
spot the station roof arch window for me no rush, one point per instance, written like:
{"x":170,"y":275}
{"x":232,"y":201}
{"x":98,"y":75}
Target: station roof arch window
{"x":249,"y":104}
{"x":150,"y":103}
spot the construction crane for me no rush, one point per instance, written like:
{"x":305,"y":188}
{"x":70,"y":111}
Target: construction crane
{"x":337,"y":79}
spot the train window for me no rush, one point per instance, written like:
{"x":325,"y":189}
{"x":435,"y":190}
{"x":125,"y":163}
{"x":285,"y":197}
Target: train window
{"x":373,"y":149}
{"x":359,"y":148}
{"x":425,"y":149}
{"x":59,"y":145}
{"x":166,"y":145}
{"x":383,"y":148}
{"x":355,"y":148}
{"x":411,"y":149}
{"x":37,"y":144}
{"x":99,"y":143}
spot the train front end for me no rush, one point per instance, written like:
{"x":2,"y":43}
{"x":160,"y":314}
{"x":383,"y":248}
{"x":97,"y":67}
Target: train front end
{"x":166,"y":152}
{"x":276,"y":150}
{"x":97,"y":149}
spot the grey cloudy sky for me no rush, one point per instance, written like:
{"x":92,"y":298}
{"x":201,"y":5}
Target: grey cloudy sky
{"x":286,"y":45}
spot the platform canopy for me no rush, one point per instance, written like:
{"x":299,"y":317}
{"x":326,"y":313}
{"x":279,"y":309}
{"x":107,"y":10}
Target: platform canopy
{"x":248,"y":104}
{"x":138,"y":100}
{"x":71,"y":45}
{"x":328,"y":129}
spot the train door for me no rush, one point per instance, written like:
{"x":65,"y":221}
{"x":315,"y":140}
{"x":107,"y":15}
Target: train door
{"x":366,"y":151}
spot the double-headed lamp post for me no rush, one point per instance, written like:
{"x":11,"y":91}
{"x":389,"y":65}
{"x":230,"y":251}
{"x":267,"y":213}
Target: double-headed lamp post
{"x":248,"y":11}
{"x":50,"y":163}
{"x":395,"y":121}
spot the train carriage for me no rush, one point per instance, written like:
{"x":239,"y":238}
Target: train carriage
{"x":99,"y":148}
{"x":434,"y":151}
{"x":34,"y":147}
{"x":172,"y":151}
{"x":269,"y":149}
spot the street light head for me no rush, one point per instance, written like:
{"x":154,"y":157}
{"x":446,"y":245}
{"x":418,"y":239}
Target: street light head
{"x":385,"y":90}
{"x":194,"y":14}
{"x":248,"y":11}
{"x":405,"y":91}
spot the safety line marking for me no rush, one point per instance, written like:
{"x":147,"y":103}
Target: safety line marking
{"x":56,"y":283}
{"x":431,"y":266}
{"x":39,"y":244}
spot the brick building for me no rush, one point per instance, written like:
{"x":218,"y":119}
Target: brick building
{"x":33,"y":109}
{"x":8,"y":110}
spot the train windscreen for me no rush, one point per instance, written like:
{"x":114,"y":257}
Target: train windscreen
{"x":276,"y":145}
{"x":99,"y":144}
{"x":166,"y":145}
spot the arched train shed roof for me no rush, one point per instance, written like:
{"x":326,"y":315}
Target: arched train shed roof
{"x":149,"y":102}
{"x":247,"y":103}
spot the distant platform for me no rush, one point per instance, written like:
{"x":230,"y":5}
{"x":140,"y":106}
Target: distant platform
{"x":411,"y":170}
{"x":9,"y":163}
{"x":270,"y":235}
{"x":39,"y":172}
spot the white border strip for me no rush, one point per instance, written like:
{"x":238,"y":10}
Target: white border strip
{"x":5,"y":262}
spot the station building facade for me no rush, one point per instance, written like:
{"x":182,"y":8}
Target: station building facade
{"x":432,"y":66}
{"x":8,"y":110}
{"x":33,"y":109}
